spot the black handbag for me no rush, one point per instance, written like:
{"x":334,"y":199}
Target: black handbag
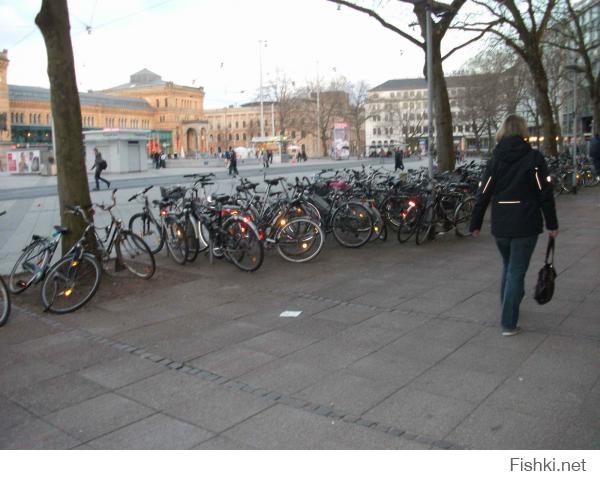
{"x":544,"y":289}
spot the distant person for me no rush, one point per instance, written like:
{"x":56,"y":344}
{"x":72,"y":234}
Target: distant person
{"x":398,"y":160}
{"x":264,"y":158}
{"x":303,"y":153}
{"x":595,"y":153}
{"x":515,"y":183}
{"x":270,"y":157}
{"x":163,"y":160}
{"x":233,"y":162}
{"x":99,"y":165}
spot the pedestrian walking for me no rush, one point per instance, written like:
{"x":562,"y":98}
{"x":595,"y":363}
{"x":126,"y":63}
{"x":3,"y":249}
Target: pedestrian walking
{"x":398,"y":160}
{"x":269,"y":157}
{"x":595,"y":153}
{"x":100,"y":165}
{"x":264,"y":159}
{"x":233,"y":162}
{"x":515,"y":183}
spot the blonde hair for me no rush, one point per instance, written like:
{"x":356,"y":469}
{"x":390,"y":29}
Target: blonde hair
{"x":513,"y":125}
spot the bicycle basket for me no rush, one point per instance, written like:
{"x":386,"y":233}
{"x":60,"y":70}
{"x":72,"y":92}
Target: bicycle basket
{"x":319,"y":202}
{"x":174,"y":192}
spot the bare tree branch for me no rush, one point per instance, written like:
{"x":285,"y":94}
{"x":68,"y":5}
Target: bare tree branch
{"x":377,"y":17}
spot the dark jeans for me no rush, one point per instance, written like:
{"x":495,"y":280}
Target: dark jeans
{"x":516,"y":254}
{"x":233,"y":168}
{"x":98,"y":177}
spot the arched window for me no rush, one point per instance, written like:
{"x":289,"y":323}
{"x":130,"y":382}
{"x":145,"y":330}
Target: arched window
{"x":237,"y":136}
{"x":157,"y":103}
{"x":244,"y":136}
{"x":166,"y":102}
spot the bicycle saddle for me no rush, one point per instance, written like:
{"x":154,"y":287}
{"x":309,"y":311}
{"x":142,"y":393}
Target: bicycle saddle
{"x":221,"y":198}
{"x":272,"y":182}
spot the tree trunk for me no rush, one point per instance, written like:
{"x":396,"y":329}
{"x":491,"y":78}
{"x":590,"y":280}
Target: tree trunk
{"x":542,"y":97}
{"x":73,"y":189}
{"x":595,"y":114}
{"x":443,"y":115}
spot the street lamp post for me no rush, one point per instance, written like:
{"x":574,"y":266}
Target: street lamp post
{"x":262,"y":111}
{"x":575,"y":69}
{"x":429,"y":35}
{"x":318,"y":150}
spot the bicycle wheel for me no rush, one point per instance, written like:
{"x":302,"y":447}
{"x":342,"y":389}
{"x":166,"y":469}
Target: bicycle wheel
{"x":148,"y":229}
{"x":203,"y":236}
{"x":352,"y":225}
{"x":4,"y":302}
{"x":241,"y":245}
{"x":392,"y":210}
{"x":425,"y":226}
{"x":377,"y":232}
{"x":192,"y":240}
{"x":408,"y":225}
{"x":300,"y":240}
{"x":306,"y":209}
{"x":462,"y":217}
{"x":71,"y":283}
{"x":135,"y":255}
{"x":176,"y":240}
{"x":29,"y":267}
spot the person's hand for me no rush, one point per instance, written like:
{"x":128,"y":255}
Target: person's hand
{"x":475,"y":233}
{"x":553,"y":233}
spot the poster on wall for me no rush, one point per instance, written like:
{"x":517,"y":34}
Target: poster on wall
{"x":23,"y":161}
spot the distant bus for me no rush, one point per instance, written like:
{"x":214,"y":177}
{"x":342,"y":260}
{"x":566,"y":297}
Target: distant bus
{"x":340,"y":145}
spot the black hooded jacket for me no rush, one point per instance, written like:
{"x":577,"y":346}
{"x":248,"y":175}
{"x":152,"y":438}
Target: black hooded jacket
{"x":515,"y":181}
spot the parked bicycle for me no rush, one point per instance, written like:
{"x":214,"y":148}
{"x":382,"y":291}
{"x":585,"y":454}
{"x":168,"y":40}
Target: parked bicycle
{"x":167,"y":229}
{"x":130,"y":250}
{"x":4,"y":297}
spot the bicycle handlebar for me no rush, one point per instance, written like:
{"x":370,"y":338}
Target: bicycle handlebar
{"x":142,"y":192}
{"x":199,"y":175}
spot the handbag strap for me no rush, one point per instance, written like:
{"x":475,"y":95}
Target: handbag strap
{"x":550,"y":250}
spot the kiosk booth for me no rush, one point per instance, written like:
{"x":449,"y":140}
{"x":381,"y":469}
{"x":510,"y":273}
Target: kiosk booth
{"x":123,"y":150}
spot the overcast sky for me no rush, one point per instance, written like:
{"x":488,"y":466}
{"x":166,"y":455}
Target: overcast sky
{"x":214,"y":43}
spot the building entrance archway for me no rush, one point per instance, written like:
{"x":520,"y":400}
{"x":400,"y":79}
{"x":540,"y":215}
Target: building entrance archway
{"x":191,"y":140}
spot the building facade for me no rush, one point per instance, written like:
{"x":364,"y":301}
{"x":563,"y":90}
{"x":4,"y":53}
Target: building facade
{"x":172,"y":113}
{"x":581,"y":109}
{"x":397,"y":115}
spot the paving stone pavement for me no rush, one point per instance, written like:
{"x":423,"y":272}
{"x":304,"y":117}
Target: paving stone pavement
{"x":397,"y":347}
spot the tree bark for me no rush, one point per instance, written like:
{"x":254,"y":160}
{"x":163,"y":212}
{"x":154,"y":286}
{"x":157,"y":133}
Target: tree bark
{"x":594,"y":89}
{"x":444,"y":137}
{"x":73,"y":189}
{"x":544,"y":106}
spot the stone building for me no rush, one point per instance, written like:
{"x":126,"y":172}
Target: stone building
{"x":172,"y":113}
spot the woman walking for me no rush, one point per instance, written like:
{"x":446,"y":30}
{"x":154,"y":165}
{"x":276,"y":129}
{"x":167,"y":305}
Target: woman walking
{"x":515,"y":182}
{"x":99,"y":165}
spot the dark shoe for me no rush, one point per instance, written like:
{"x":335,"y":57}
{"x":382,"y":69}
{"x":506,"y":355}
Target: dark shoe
{"x":510,"y":333}
{"x":108,"y":186}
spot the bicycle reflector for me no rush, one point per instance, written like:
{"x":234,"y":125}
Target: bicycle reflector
{"x":163,"y":212}
{"x":412,"y":204}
